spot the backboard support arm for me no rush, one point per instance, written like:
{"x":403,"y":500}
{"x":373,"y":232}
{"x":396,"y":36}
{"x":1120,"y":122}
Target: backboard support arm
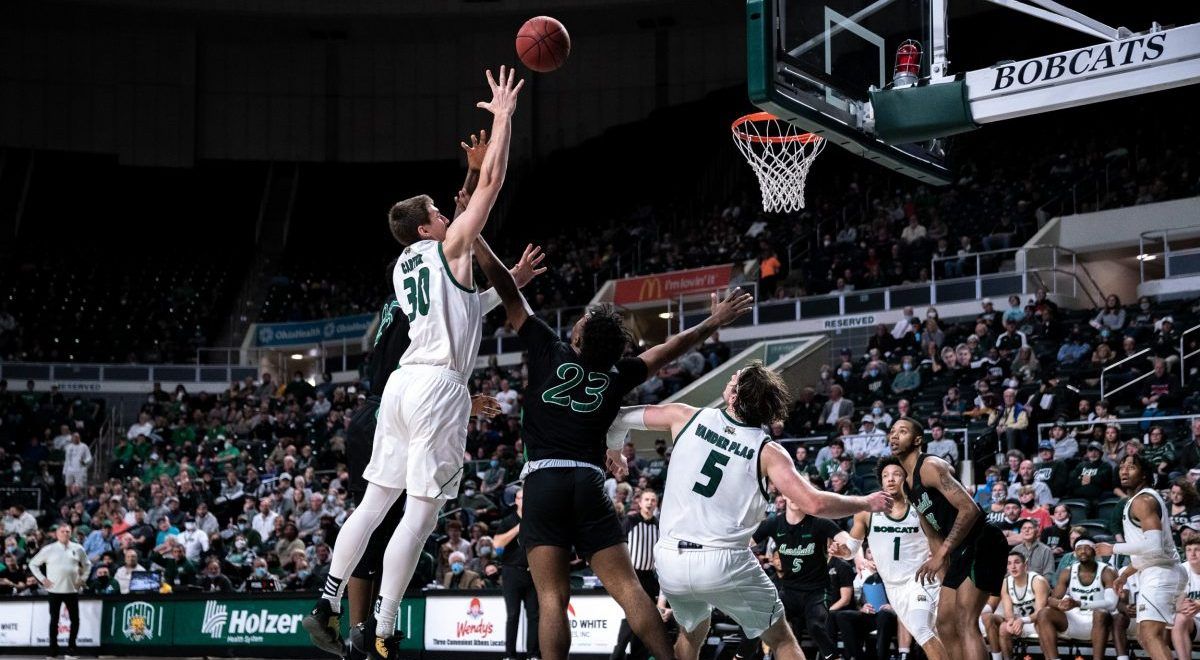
{"x":1051,"y":11}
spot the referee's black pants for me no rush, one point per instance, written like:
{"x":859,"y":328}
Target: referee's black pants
{"x":519,"y":588}
{"x":806,"y":610}
{"x":625,"y":637}
{"x":56,"y":603}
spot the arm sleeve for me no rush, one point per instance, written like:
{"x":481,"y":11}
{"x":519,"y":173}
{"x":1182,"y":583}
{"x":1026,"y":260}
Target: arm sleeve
{"x":629,"y":418}
{"x":489,"y":300}
{"x":1106,"y":602}
{"x":1151,"y":543}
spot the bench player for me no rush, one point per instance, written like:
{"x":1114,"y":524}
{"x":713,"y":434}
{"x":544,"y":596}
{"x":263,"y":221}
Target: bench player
{"x":1081,"y":606}
{"x":900,"y":547}
{"x":1152,"y":553}
{"x":715,"y":495}
{"x":966,"y":553}
{"x":421,"y":433}
{"x":1025,"y":594}
{"x":1187,"y":617}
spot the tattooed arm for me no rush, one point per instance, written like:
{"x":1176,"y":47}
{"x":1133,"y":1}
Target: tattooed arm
{"x":940,"y":477}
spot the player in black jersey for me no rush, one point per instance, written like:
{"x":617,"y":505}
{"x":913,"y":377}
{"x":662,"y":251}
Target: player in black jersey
{"x":966,"y":553}
{"x":574,"y":394}
{"x":802,"y":542}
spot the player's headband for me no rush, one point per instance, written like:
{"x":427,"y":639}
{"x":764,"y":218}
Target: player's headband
{"x":1085,"y":542}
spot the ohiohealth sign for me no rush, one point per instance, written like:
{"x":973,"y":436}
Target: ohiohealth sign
{"x":268,"y":335}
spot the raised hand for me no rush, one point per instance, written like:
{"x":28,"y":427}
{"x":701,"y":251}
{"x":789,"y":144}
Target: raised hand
{"x":504,"y":92}
{"x":735,"y":304}
{"x":476,"y":150}
{"x":527,"y":267}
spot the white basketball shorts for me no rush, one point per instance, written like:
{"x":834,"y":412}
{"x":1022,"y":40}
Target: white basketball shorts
{"x":731,"y":580}
{"x":1158,"y":589}
{"x":421,"y":433}
{"x":916,"y":607}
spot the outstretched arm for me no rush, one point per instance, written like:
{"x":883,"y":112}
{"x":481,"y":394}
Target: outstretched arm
{"x":503,"y":281}
{"x":462,"y":232}
{"x":939,"y":476}
{"x":735,"y":304}
{"x":475,"y":154}
{"x":780,"y":469}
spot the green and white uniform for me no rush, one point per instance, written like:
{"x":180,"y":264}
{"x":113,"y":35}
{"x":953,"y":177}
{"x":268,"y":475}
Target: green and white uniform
{"x":1161,"y":579}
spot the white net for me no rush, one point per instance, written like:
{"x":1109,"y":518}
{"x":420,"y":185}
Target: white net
{"x":780,"y":154}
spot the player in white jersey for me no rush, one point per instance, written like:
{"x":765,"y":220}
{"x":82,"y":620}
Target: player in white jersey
{"x":1025,"y":594}
{"x":1152,"y":554}
{"x":900,"y":546}
{"x":1187,"y":618}
{"x":421,"y":432}
{"x":715,"y":496}
{"x":1081,"y":606}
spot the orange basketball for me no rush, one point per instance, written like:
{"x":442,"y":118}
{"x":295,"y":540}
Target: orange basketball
{"x":543,"y":44}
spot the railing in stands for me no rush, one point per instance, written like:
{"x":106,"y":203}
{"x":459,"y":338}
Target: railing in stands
{"x":1183,"y":357}
{"x":1156,"y":255}
{"x":1104,"y":392}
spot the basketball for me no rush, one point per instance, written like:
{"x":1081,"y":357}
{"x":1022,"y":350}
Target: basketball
{"x":543,"y":44}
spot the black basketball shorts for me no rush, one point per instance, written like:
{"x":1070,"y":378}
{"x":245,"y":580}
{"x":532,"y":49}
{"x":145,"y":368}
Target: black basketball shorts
{"x":567,"y":507}
{"x":982,"y":559}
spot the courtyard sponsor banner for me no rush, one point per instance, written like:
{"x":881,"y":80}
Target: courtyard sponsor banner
{"x":89,"y":624}
{"x":465,"y":623}
{"x":139,"y":623}
{"x":474,"y":623}
{"x":595,"y":622}
{"x":240,"y":622}
{"x":666,"y":286}
{"x":15,"y":623}
{"x":268,"y":335}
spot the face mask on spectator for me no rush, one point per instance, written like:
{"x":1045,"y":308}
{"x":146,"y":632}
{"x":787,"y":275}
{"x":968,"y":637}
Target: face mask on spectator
{"x":190,"y":526}
{"x":873,"y":372}
{"x":239,"y":544}
{"x":494,"y":463}
{"x":303,"y":575}
{"x":260,"y":571}
{"x":469,"y":492}
{"x":843,"y":373}
{"x":907,"y":366}
{"x":150,"y":399}
{"x":16,"y":467}
{"x":456,"y":568}
{"x":1145,"y":307}
{"x":485,"y":551}
{"x":317,"y":539}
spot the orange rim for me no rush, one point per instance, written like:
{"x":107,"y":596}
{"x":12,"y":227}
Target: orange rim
{"x":803,"y":138}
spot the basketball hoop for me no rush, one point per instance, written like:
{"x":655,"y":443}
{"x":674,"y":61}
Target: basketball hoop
{"x":780,"y":155}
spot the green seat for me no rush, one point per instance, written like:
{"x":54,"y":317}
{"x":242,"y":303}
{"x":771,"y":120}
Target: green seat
{"x":1104,"y":510}
{"x":1080,"y":509}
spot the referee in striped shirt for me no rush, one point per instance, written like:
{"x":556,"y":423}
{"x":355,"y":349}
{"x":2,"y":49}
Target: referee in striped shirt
{"x":641,"y":533}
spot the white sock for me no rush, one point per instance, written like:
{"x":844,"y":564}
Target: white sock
{"x":400,"y":558}
{"x":385,"y":617}
{"x":1122,"y":657}
{"x":996,"y":656}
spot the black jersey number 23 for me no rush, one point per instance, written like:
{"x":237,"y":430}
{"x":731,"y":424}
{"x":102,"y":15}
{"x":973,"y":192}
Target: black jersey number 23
{"x":572,"y":375}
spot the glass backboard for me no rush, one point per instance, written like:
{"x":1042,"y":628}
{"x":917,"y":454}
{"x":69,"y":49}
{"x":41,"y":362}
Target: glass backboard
{"x":812,"y":62}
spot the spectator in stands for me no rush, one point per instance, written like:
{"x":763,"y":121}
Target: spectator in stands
{"x":1111,"y":316}
{"x":941,"y":446}
{"x":125,"y":572}
{"x":1184,"y":507}
{"x":76,"y":459}
{"x":1092,"y":479}
{"x":869,"y":443}
{"x":882,"y":340}
{"x":1047,"y":469}
{"x":1188,"y":455}
{"x":261,"y":580}
{"x":1011,"y":340}
{"x":953,"y":406}
{"x":1011,"y":421}
{"x":101,"y":584}
{"x":19,"y":521}
{"x":1030,"y":510}
{"x":475,"y":505}
{"x":908,"y":379}
{"x":1057,"y":534}
{"x":1075,"y":349}
{"x":768,"y":274}
{"x":1160,"y":454}
{"x":1160,"y":391}
{"x":1038,"y":555}
{"x":458,"y":577}
{"x":874,"y":383}
{"x":288,"y":543}
{"x":1010,"y":520}
{"x":836,"y":407}
{"x":1165,"y":341}
{"x":143,"y":428}
{"x":1027,"y":476}
{"x":830,"y":457}
{"x":1025,"y":366}
{"x":213,"y":580}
